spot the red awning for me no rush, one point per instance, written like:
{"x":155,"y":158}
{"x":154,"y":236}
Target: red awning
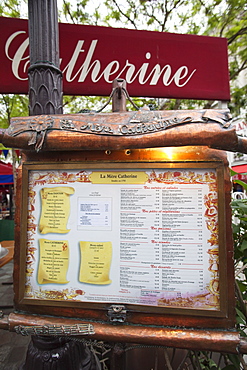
{"x":242,"y":172}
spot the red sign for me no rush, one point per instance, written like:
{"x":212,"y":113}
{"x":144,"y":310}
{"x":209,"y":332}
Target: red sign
{"x":153,"y":64}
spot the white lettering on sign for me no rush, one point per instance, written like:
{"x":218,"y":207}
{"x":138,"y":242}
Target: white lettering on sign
{"x":18,"y":56}
{"x":93,"y":68}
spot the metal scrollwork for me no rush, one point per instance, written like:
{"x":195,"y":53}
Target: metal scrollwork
{"x":126,"y":124}
{"x":39,"y":126}
{"x":53,"y":330}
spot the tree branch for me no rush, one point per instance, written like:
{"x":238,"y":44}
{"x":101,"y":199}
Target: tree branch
{"x":67,"y":9}
{"x":124,"y":14}
{"x":241,"y":32}
{"x":240,"y":69}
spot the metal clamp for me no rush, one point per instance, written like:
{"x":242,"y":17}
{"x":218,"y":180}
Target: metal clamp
{"x":117,"y":313}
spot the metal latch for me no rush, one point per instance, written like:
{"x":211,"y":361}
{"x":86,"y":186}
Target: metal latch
{"x":117,"y":313}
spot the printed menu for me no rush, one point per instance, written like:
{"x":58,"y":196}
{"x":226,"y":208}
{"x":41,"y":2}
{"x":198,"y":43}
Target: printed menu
{"x":138,"y":236}
{"x":53,"y":261}
{"x":55,"y":209}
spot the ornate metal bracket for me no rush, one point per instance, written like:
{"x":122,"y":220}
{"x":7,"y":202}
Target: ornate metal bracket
{"x":118,"y":96}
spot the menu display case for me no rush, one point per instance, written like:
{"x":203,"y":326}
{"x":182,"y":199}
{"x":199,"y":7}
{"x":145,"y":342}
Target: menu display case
{"x":147,"y":238}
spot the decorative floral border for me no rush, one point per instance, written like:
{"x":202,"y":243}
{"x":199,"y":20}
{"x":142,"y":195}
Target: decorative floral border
{"x":209,"y":299}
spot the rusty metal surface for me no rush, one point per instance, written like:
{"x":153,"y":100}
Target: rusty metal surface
{"x":109,"y":131}
{"x":211,"y":340}
{"x":183,"y":153}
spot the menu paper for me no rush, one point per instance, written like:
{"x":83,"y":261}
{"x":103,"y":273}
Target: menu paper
{"x":138,"y":236}
{"x":55,"y":209}
{"x":94,"y":214}
{"x":53,"y":261}
{"x":95,"y":262}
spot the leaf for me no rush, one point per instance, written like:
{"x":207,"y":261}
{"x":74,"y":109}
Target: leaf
{"x":242,"y":333}
{"x":235,"y":360}
{"x":240,"y":204}
{"x":243,"y":245}
{"x":235,"y":228}
{"x":232,"y":172}
{"x":212,"y":365}
{"x":240,"y":314}
{"x":242,"y":286}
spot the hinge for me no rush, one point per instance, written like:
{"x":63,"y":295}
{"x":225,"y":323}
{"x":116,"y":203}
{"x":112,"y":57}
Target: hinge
{"x":117,"y":313}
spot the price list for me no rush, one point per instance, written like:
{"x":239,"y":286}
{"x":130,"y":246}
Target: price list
{"x":162,"y":231}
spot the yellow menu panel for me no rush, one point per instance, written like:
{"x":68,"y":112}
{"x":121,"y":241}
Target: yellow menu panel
{"x":53,"y":261}
{"x":55,"y":209}
{"x":95,"y":262}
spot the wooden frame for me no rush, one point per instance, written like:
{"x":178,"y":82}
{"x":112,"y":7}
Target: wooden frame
{"x":140,"y":312}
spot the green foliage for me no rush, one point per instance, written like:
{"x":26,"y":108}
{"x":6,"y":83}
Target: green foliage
{"x":80,"y":13}
{"x":238,"y":99}
{"x":12,"y":106}
{"x":153,"y":15}
{"x":11,"y":8}
{"x":76,"y":104}
{"x":239,"y":226}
